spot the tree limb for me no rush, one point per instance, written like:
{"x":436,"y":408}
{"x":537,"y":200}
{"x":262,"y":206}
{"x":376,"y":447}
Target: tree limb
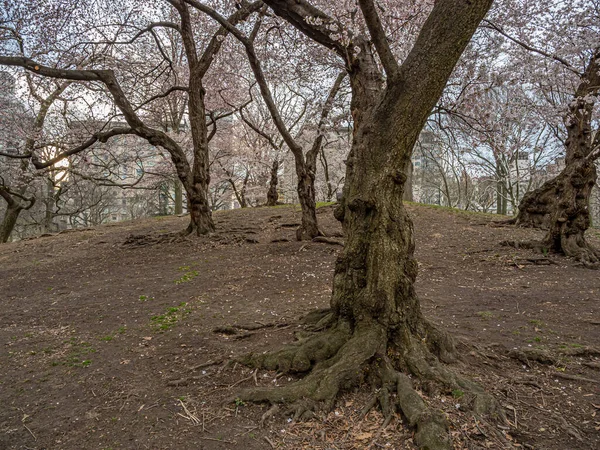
{"x":390,"y":64}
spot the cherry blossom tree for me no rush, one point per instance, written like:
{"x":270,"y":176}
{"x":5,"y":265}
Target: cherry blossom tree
{"x":375,"y":321}
{"x":194,"y":176}
{"x":558,"y":49}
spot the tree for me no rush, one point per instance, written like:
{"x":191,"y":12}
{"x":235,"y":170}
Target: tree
{"x":305,"y":163}
{"x":195,"y":177}
{"x":564,"y":50}
{"x":375,"y":321}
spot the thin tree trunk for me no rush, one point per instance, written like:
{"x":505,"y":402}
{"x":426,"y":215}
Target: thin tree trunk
{"x":50,"y":204}
{"x":306,"y":196}
{"x":178,"y":197}
{"x":272,"y":194}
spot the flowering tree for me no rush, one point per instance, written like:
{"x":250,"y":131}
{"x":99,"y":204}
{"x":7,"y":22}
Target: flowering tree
{"x":558,"y":47}
{"x":375,"y":321}
{"x":194,"y":176}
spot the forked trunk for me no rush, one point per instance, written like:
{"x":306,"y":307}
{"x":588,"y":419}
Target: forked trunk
{"x":374,"y":278}
{"x":376,"y":330}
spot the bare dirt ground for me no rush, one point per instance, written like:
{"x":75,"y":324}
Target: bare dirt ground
{"x":107,"y":345}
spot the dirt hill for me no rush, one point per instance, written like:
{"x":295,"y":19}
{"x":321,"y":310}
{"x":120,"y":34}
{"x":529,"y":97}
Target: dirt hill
{"x":111,"y":339}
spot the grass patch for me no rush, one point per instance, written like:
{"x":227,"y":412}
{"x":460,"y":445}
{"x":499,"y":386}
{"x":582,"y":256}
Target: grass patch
{"x":322,"y":204}
{"x":485,"y":315}
{"x":79,"y":354}
{"x":169,"y":319}
{"x":189,"y":275}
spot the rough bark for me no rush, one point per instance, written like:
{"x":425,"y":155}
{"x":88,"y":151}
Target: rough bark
{"x":14,"y":205}
{"x":272,"y":194}
{"x":375,"y":329}
{"x":408,"y":188}
{"x":561,"y":205}
{"x":306,"y":195}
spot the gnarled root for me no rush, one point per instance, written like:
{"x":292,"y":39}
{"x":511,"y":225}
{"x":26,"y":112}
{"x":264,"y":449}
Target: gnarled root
{"x":574,"y":246}
{"x":341,"y":358}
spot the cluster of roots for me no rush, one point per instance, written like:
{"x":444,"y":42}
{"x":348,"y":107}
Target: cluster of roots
{"x":341,"y":357}
{"x":574,"y":246}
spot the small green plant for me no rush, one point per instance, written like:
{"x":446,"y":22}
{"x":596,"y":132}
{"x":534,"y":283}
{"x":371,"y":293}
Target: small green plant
{"x":107,"y":338}
{"x":188,"y":276}
{"x":239,"y":402}
{"x":122,"y":330}
{"x":79,"y":353}
{"x":173,"y":314}
{"x":536,"y":322}
{"x":145,"y":298}
{"x":457,"y":393}
{"x":486,"y":315}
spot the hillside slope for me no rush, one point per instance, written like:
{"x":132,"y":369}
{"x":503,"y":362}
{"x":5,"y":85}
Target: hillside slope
{"x":113,"y":340}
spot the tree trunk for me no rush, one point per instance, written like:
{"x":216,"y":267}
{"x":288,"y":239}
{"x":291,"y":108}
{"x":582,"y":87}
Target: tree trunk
{"x":272,"y":194}
{"x":200,"y":215}
{"x":306,"y":195}
{"x":561,"y":205}
{"x":375,"y":328}
{"x":50,"y":204}
{"x":178,"y":197}
{"x":8,"y":222}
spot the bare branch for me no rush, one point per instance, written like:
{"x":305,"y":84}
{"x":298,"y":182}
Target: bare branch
{"x":530,"y":48}
{"x":97,"y":137}
{"x":390,"y":64}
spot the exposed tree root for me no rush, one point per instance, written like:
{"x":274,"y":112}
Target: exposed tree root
{"x":574,"y":247}
{"x":140,"y":240}
{"x":341,"y":358}
{"x":502,"y":223}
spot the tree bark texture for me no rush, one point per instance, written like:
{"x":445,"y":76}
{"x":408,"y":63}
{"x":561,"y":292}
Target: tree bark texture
{"x":9,"y":221}
{"x":272,"y":194}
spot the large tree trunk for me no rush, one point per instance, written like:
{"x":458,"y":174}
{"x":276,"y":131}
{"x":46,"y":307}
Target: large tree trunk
{"x":375,"y":328}
{"x":8,"y":222}
{"x":561,"y":205}
{"x":272,"y":194}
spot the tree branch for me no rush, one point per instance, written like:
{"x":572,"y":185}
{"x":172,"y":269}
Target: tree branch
{"x":97,"y":137}
{"x":530,"y":48}
{"x":390,"y":64}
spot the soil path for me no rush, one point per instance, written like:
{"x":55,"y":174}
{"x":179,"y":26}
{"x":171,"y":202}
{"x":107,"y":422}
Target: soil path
{"x":106,"y":345}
